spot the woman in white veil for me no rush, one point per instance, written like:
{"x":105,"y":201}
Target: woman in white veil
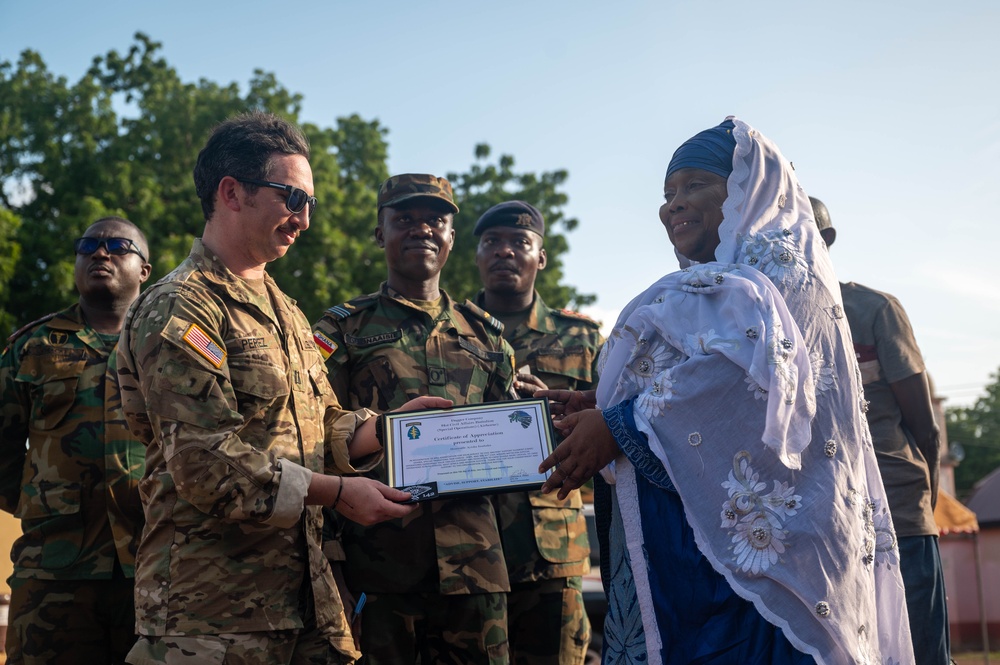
{"x":749,"y":522}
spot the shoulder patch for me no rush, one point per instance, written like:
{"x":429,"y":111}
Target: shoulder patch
{"x":29,"y":327}
{"x":577,"y":316}
{"x":198,"y":340}
{"x":477,"y":312}
{"x":352,"y":307}
{"x":325,"y":344}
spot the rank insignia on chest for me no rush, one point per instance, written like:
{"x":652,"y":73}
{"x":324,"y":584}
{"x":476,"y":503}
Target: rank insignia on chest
{"x":58,"y":337}
{"x":198,"y":340}
{"x":325,"y":345}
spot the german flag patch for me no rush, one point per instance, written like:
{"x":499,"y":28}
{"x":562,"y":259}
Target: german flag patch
{"x":203,"y":344}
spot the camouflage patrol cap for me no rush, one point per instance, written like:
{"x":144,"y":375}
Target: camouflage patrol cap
{"x":406,"y":186}
{"x":515,"y":214}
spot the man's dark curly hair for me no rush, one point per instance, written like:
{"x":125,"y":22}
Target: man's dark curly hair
{"x":244,"y":146}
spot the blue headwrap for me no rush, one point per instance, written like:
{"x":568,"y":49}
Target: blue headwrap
{"x":711,"y":150}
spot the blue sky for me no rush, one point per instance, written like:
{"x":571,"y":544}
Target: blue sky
{"x":890,"y":112}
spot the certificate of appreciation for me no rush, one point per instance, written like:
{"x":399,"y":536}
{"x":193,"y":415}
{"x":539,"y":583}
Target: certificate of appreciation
{"x":478,"y":448}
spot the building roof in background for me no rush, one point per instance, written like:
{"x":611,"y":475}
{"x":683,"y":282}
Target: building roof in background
{"x":985,"y":499}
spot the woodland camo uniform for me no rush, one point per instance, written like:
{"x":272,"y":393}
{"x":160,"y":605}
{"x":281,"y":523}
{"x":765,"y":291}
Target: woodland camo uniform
{"x":545,"y":538}
{"x":382,"y":350}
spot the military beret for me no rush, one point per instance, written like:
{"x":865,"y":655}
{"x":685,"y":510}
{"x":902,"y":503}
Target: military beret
{"x":408,"y":186}
{"x":515,"y":214}
{"x":820,"y":214}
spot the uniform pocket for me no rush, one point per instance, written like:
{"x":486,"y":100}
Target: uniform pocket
{"x":551,"y":500}
{"x":560,"y":527}
{"x":157,"y":649}
{"x":495,"y":364}
{"x":573,"y":362}
{"x":374,"y":385}
{"x":576,"y":632}
{"x":320,"y":380}
{"x":257,"y":378}
{"x":53,"y":388}
{"x":52,"y":524}
{"x":188,"y":394}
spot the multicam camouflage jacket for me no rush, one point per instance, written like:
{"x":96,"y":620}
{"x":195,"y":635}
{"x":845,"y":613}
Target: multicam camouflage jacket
{"x":75,"y":485}
{"x":383,"y":350}
{"x":225,"y":386}
{"x":545,"y":537}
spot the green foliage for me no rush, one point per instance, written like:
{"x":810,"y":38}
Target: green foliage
{"x":977,"y":428}
{"x":123,"y":140}
{"x":486,"y":185}
{"x":337,"y":258}
{"x":10,"y":253}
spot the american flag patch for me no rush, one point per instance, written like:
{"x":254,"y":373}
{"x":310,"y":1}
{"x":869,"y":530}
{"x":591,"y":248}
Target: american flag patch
{"x":326,"y":345}
{"x":204,"y":345}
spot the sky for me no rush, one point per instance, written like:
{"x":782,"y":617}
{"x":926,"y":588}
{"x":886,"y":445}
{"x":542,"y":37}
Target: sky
{"x":890,"y":112}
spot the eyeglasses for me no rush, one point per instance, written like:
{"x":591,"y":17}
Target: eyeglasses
{"x":117,"y":246}
{"x":296,"y":199}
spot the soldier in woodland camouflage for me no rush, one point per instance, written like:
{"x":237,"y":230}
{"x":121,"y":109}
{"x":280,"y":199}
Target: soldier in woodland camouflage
{"x":436,"y":582}
{"x":544,"y":537}
{"x":220,"y":378}
{"x":75,"y":485}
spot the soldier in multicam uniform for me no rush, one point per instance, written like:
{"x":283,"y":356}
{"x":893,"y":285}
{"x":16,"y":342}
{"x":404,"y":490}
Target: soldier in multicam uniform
{"x":221,"y":380}
{"x":75,"y":486}
{"x":436,"y":582}
{"x":544,"y":537}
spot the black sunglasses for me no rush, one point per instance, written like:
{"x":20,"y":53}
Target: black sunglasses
{"x":118,"y":246}
{"x":296,"y":199}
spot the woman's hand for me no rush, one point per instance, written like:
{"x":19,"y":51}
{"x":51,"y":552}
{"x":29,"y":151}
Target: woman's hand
{"x":565,"y":402}
{"x":588,"y":447}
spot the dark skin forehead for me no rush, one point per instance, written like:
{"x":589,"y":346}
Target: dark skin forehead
{"x":688,"y":172}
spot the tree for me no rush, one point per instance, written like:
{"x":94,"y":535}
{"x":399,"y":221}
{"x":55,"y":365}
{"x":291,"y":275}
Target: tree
{"x":10,"y":252}
{"x":339,"y":258}
{"x":123,"y":140}
{"x":977,"y":429}
{"x":486,"y":185}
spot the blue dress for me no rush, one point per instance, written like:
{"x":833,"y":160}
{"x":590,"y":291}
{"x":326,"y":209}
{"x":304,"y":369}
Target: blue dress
{"x":701,"y":619}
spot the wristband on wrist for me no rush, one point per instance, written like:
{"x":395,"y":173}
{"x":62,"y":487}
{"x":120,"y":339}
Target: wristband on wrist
{"x":340,"y":491}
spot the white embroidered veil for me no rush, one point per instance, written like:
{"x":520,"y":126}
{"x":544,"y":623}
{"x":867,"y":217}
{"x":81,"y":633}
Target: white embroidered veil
{"x":747,"y":388}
